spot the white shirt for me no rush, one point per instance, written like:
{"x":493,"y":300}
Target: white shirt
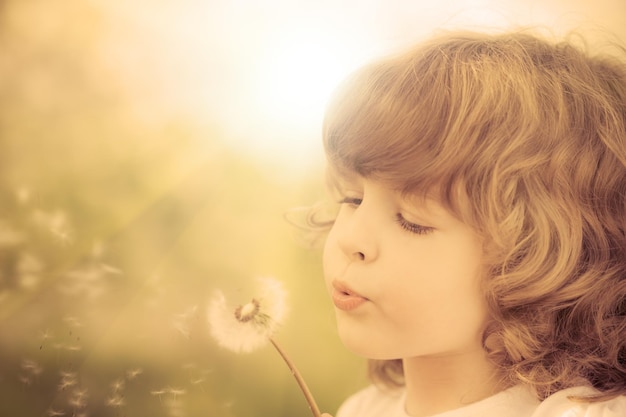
{"x":513,"y":402}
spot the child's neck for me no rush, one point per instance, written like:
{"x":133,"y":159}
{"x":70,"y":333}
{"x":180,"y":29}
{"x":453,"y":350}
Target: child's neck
{"x":442,"y":383}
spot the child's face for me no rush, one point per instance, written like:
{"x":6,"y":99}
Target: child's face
{"x":404,"y":275}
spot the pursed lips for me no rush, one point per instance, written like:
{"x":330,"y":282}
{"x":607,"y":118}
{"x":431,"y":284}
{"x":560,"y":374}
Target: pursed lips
{"x":345,"y":298}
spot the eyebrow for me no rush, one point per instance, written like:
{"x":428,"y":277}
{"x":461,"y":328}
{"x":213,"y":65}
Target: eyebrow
{"x":340,"y":177}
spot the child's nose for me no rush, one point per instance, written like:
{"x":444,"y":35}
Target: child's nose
{"x":357,"y":238}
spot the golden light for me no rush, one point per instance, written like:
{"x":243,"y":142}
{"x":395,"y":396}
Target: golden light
{"x":149,"y":151}
{"x":262,"y":73}
{"x":298,"y":72}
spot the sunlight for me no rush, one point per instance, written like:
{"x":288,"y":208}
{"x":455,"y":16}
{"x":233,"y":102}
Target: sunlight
{"x":154,"y":152}
{"x":300,"y":69}
{"x":258,"y":76}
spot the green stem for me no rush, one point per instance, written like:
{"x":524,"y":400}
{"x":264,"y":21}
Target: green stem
{"x":303,"y":387}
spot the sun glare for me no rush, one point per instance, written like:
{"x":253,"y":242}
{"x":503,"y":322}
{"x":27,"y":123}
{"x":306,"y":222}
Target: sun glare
{"x":261,"y":75}
{"x":299,"y":71}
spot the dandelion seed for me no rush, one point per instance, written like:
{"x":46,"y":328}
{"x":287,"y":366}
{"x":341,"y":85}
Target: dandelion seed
{"x":248,"y":327}
{"x":72,"y":321}
{"x":77,"y":402}
{"x":110,"y":269}
{"x":117,"y":385}
{"x":56,"y":223}
{"x":80,"y":393}
{"x":25,"y":379}
{"x":197,"y":381}
{"x":115,"y":401}
{"x":65,"y":384}
{"x":64,"y":237}
{"x":133,"y":373}
{"x":182,"y":328}
{"x":68,"y":379}
{"x":176,"y":392}
{"x":31,"y":367}
{"x":251,"y":325}
{"x":78,"y":399}
{"x":73,"y":348}
{"x":159,"y":393}
{"x":45,"y":335}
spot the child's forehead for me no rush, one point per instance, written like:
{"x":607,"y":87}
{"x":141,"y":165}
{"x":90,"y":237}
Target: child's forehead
{"x":343,"y":177}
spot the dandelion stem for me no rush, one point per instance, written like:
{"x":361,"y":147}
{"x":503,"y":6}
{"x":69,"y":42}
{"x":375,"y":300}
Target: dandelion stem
{"x":303,"y":387}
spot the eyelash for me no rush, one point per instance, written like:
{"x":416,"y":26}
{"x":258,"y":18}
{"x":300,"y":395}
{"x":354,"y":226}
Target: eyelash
{"x":412,"y":227}
{"x":353,"y":201}
{"x":404,"y":224}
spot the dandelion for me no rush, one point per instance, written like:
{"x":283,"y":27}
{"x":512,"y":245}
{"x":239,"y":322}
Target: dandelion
{"x":247,"y":327}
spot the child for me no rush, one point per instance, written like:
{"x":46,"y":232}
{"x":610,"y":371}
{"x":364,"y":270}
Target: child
{"x":478,"y":258}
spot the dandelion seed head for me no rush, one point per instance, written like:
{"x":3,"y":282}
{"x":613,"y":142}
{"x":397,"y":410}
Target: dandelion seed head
{"x":248,"y":311}
{"x":246,"y":327}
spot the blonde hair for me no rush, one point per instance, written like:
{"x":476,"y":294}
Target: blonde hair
{"x":525,"y":141}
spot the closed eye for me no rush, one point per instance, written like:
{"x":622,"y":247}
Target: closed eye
{"x":412,"y":227}
{"x":352,"y":201}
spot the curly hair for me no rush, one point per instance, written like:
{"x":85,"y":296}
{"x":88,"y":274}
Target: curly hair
{"x":523,"y":139}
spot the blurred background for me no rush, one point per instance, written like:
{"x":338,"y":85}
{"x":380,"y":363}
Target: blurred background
{"x":149,"y":150}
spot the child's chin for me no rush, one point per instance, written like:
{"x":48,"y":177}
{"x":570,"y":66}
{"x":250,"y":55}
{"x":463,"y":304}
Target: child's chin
{"x":366,"y":349}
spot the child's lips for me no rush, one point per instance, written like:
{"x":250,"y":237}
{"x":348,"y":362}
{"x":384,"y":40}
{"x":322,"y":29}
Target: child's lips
{"x":345,"y":298}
